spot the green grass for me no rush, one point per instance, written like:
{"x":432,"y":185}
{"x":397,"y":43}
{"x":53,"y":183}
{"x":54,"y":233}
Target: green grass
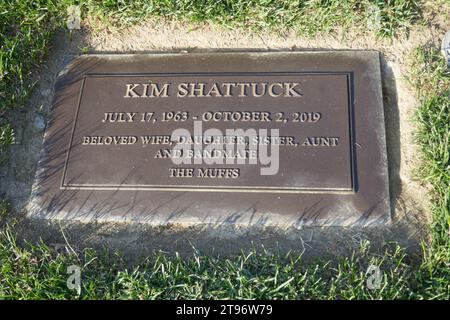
{"x":6,"y":138}
{"x":25,"y":30}
{"x":306,"y":17}
{"x":431,"y":77}
{"x":38,"y":272}
{"x":432,"y":80}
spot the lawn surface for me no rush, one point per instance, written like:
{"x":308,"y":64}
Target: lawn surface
{"x":38,"y":272}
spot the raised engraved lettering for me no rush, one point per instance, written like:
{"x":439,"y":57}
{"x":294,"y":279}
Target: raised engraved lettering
{"x":321,"y":142}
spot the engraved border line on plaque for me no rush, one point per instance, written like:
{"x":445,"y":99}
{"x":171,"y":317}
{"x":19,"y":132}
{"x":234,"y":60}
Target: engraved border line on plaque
{"x":197,"y":188}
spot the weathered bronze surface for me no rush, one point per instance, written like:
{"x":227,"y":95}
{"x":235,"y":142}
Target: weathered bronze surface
{"x":110,"y":150}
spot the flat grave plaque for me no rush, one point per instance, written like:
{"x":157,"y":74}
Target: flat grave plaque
{"x":286,"y":139}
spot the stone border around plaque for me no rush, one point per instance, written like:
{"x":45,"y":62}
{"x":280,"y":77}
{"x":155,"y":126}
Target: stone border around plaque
{"x":110,"y":152}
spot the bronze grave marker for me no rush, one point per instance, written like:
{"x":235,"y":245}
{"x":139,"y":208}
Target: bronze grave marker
{"x":248,"y":138}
